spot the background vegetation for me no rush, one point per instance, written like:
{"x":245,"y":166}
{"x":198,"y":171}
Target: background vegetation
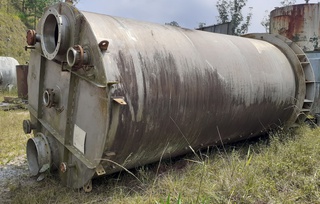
{"x":231,"y":11}
{"x":16,"y":17}
{"x":13,"y":37}
{"x":12,"y":139}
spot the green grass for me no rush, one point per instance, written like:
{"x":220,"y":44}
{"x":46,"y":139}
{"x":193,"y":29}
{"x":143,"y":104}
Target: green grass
{"x":12,"y":137}
{"x":280,"y":168}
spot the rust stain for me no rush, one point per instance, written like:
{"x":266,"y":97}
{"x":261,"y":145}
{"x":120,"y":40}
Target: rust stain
{"x":299,"y":23}
{"x":290,"y":22}
{"x":22,"y":83}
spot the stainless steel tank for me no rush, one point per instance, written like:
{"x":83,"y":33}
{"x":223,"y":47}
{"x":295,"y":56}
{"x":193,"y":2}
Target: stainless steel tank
{"x":8,"y":77}
{"x":107,"y":93}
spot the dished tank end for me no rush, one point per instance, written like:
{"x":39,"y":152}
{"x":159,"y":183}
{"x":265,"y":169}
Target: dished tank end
{"x":303,"y":71}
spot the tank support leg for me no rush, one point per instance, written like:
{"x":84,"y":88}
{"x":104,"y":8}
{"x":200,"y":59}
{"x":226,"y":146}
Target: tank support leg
{"x":88,"y":186}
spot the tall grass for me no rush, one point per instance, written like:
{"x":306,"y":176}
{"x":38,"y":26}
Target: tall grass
{"x":280,"y":168}
{"x":283,"y":168}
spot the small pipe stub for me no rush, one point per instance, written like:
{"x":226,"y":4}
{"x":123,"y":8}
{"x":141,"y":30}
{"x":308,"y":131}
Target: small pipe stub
{"x":38,"y":153}
{"x":31,"y":37}
{"x":77,"y":57}
{"x":29,"y":48}
{"x":48,"y":98}
{"x":63,"y":167}
{"x":103,"y":45}
{"x":27,"y":126}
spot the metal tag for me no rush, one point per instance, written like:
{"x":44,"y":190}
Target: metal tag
{"x":120,"y":100}
{"x":79,"y":138}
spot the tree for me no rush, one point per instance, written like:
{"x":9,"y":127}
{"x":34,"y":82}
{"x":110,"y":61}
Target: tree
{"x":287,"y":2}
{"x":173,"y":23}
{"x":34,"y":8}
{"x":201,"y":25}
{"x":231,"y":11}
{"x":266,"y":21}
{"x":29,"y":11}
{"x":74,"y":2}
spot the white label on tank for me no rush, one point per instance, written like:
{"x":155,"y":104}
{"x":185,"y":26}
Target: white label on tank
{"x":79,"y":138}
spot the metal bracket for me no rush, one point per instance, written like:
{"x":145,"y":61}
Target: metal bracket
{"x":88,"y":186}
{"x":119,"y":100}
{"x":110,"y":83}
{"x":100,"y":170}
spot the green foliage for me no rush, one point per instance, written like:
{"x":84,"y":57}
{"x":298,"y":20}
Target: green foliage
{"x":168,"y":201}
{"x":266,"y":21}
{"x":12,"y":137}
{"x":12,"y":37}
{"x":35,"y":8}
{"x":201,"y":25}
{"x":287,"y":2}
{"x":29,"y":11}
{"x":173,"y":23}
{"x":15,"y":17}
{"x":231,"y":11}
{"x":223,"y":6}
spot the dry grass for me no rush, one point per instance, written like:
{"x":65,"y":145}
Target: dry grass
{"x":281,"y":168}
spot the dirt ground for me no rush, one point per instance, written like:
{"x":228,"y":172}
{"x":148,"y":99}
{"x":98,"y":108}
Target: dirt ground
{"x":12,"y":175}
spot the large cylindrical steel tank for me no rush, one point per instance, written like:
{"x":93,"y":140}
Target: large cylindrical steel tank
{"x":107,"y":92}
{"x":8,"y":77}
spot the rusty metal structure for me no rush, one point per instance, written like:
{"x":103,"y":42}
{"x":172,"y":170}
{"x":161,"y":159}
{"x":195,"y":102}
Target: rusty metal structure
{"x":22,"y":81}
{"x":8,"y":77}
{"x":107,"y":93}
{"x":13,"y":77}
{"x":301,"y":24}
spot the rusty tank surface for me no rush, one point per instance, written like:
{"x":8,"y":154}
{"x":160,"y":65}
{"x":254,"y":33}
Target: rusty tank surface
{"x":299,"y":23}
{"x":107,"y":92}
{"x":22,"y":81}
